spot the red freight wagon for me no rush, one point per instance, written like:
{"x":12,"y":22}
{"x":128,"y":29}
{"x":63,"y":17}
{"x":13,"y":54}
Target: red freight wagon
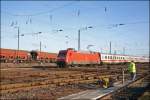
{"x":47,"y":57}
{"x":10,"y":55}
{"x":7,"y":55}
{"x":23,"y":55}
{"x":72,"y":57}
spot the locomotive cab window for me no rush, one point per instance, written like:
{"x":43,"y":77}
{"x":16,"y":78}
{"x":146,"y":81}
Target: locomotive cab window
{"x":62,"y":54}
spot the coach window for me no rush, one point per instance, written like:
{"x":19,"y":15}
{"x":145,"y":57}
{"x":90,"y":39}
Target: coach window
{"x":110,"y":57}
{"x":105,"y":57}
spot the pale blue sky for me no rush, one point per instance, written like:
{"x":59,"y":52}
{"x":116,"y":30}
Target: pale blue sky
{"x":101,"y":15}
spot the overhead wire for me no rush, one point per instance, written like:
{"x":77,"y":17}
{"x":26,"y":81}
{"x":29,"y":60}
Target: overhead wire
{"x":40,"y":13}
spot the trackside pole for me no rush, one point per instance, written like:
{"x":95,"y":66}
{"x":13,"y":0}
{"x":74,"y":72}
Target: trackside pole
{"x":123,"y":76}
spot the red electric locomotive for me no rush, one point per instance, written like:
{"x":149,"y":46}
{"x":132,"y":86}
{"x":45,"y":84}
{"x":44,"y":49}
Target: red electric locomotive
{"x":71,"y":57}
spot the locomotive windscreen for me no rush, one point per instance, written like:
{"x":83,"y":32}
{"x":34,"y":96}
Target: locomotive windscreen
{"x":62,"y":54}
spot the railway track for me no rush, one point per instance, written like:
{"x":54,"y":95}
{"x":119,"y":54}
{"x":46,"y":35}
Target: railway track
{"x":55,"y":77}
{"x":66,"y":80}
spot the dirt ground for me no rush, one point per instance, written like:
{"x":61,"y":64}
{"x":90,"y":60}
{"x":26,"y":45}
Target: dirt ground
{"x":34,"y":81}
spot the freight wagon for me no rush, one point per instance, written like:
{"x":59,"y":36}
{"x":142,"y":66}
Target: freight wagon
{"x":11,"y":55}
{"x":43,"y":56}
